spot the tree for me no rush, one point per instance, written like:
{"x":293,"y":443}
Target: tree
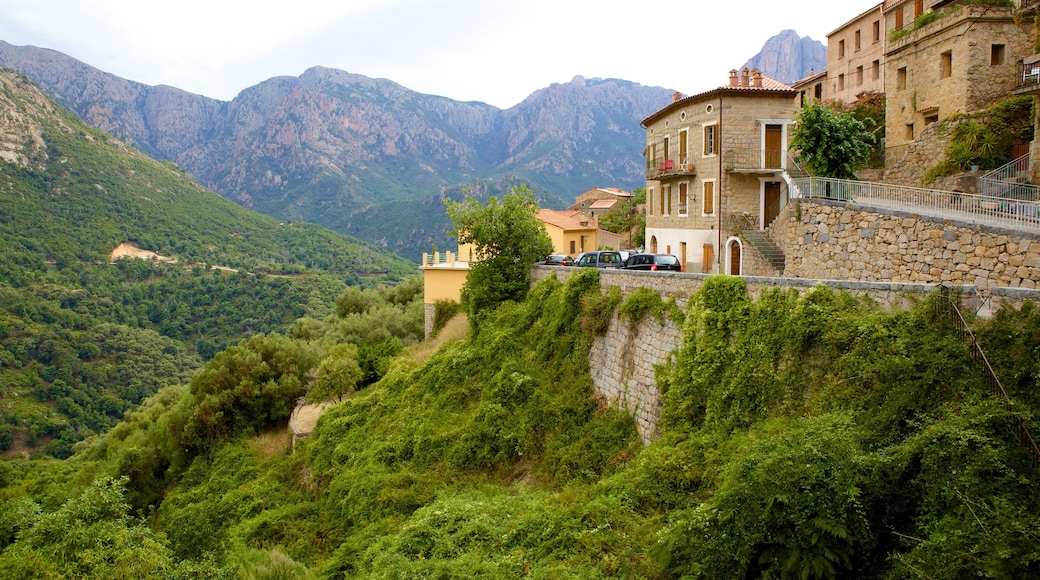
{"x":628,"y":216}
{"x":338,"y":374}
{"x":508,"y":238}
{"x":832,"y":143}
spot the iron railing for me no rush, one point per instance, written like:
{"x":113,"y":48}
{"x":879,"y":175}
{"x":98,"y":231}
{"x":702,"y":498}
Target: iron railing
{"x":1022,"y":215}
{"x":1008,"y":181}
{"x":755,"y":159}
{"x":667,"y":166}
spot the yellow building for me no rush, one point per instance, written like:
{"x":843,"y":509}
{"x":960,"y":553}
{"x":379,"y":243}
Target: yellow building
{"x":571,"y":232}
{"x":443,"y":277}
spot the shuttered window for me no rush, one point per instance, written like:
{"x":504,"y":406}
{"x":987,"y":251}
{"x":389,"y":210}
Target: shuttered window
{"x":709,"y":198}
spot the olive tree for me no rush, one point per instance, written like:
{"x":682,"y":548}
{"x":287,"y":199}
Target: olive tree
{"x":508,"y":238}
{"x":832,"y":143}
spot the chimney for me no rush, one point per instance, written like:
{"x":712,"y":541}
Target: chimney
{"x":733,"y":77}
{"x":757,"y":78}
{"x":744,"y":77}
{"x":676,"y":96}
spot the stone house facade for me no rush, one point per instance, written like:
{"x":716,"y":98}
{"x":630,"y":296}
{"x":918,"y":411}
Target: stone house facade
{"x":855,"y":56}
{"x":961,"y":62}
{"x":716,"y":165}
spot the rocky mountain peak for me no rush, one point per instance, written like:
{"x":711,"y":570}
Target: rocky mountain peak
{"x":788,"y":57}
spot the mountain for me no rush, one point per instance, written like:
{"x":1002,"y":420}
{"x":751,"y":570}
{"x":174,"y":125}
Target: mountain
{"x":788,"y":57}
{"x":334,"y":148}
{"x":84,"y":337}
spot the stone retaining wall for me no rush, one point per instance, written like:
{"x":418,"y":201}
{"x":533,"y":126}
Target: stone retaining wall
{"x":828,"y":239}
{"x":623,"y":361}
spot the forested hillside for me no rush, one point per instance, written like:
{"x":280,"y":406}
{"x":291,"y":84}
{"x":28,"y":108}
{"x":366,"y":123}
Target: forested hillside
{"x":808,"y":436}
{"x":84,"y":338}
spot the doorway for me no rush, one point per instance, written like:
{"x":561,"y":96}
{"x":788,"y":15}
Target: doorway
{"x":774,"y":146}
{"x":772,"y":192}
{"x":734,"y":257}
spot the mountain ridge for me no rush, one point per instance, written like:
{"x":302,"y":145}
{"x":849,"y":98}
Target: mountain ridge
{"x":329,"y":145}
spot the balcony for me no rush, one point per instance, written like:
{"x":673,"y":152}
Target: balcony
{"x":663,"y":168}
{"x":1027,"y":76}
{"x":766,"y":161}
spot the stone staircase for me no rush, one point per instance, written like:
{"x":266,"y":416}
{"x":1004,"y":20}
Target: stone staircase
{"x":765,"y":248}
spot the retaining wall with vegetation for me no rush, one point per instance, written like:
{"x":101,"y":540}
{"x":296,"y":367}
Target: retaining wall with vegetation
{"x":623,"y":360}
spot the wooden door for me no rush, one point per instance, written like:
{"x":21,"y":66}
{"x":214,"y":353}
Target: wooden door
{"x":707,"y":258}
{"x":734,"y":259}
{"x":772,"y":202}
{"x":774,"y":146}
{"x":682,"y":250}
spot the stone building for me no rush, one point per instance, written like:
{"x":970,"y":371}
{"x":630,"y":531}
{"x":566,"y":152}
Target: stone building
{"x":715,"y":166}
{"x":811,"y":88}
{"x":943,"y":57}
{"x":855,"y":56}
{"x":589,"y":197}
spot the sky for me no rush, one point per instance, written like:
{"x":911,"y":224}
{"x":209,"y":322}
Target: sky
{"x":492,"y":51}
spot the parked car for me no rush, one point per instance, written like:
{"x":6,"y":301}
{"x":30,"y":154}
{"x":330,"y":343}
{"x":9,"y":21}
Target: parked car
{"x":654,"y":262}
{"x":599,"y":259}
{"x":559,"y":260}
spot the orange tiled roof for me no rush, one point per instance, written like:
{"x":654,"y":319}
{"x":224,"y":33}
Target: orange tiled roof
{"x":563,"y":220}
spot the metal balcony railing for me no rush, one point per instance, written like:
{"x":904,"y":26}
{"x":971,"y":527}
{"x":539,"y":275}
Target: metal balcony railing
{"x":659,"y":167}
{"x":754,"y":159}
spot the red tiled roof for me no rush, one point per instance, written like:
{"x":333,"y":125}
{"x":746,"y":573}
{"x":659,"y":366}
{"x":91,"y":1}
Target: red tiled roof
{"x":564,"y":220}
{"x":603,"y":204}
{"x":770,"y":87}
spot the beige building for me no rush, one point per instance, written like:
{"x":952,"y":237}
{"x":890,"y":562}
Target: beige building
{"x":855,"y":57}
{"x":716,"y":165}
{"x":959,"y":61}
{"x":571,"y":232}
{"x":811,"y":88}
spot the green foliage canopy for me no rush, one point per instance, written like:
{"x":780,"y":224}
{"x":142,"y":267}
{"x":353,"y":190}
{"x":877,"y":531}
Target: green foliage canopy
{"x":832,"y":143}
{"x":508,"y":239}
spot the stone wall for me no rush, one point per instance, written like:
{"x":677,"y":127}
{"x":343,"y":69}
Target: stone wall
{"x":833,"y":240}
{"x":623,"y":361}
{"x":622,"y":364}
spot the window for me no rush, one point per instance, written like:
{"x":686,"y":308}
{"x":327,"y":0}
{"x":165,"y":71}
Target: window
{"x":711,"y":140}
{"x":664,"y":194}
{"x":841,"y":82}
{"x":918,"y":8}
{"x":899,"y":18}
{"x":683,"y":156}
{"x":666,"y":200}
{"x":909,"y":131}
{"x":946,"y":64}
{"x":996,"y":54}
{"x":573,"y":247}
{"x":665,"y":148}
{"x":682,"y":198}
{"x":708,"y":207}
{"x":859,"y":76}
{"x":901,"y":79}
{"x":877,"y":31}
{"x":931,"y":118}
{"x":858,"y":42}
{"x":841,"y":48}
{"x":650,"y":201}
{"x":818,"y":91}
{"x":875,"y":68}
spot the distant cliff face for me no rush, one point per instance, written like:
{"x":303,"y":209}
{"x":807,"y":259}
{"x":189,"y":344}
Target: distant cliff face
{"x":788,"y":57}
{"x":341,"y":150}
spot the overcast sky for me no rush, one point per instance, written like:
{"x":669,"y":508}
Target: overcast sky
{"x":492,"y":51}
